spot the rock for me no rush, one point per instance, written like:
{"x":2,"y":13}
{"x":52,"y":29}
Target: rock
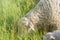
{"x":52,"y":35}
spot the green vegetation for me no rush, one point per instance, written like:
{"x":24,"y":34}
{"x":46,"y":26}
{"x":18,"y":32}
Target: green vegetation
{"x":10,"y":12}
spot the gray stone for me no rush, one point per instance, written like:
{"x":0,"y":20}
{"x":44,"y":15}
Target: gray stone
{"x":52,"y":35}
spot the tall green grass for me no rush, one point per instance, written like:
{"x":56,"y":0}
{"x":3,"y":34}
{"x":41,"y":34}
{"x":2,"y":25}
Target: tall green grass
{"x":10,"y":12}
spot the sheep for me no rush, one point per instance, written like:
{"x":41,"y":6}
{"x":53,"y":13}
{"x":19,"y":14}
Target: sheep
{"x":46,"y":14}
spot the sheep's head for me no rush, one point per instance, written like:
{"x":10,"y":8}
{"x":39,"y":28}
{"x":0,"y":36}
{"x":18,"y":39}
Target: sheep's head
{"x":25,"y":23}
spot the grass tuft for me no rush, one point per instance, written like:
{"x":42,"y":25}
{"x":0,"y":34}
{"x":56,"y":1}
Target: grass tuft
{"x":10,"y":12}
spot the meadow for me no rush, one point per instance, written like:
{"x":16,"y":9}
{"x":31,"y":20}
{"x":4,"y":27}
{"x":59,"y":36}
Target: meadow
{"x":10,"y":12}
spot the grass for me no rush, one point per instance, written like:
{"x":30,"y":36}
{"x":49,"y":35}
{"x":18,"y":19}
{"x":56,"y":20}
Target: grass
{"x":10,"y":12}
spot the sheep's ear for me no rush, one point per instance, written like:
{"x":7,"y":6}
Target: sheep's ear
{"x":52,"y":38}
